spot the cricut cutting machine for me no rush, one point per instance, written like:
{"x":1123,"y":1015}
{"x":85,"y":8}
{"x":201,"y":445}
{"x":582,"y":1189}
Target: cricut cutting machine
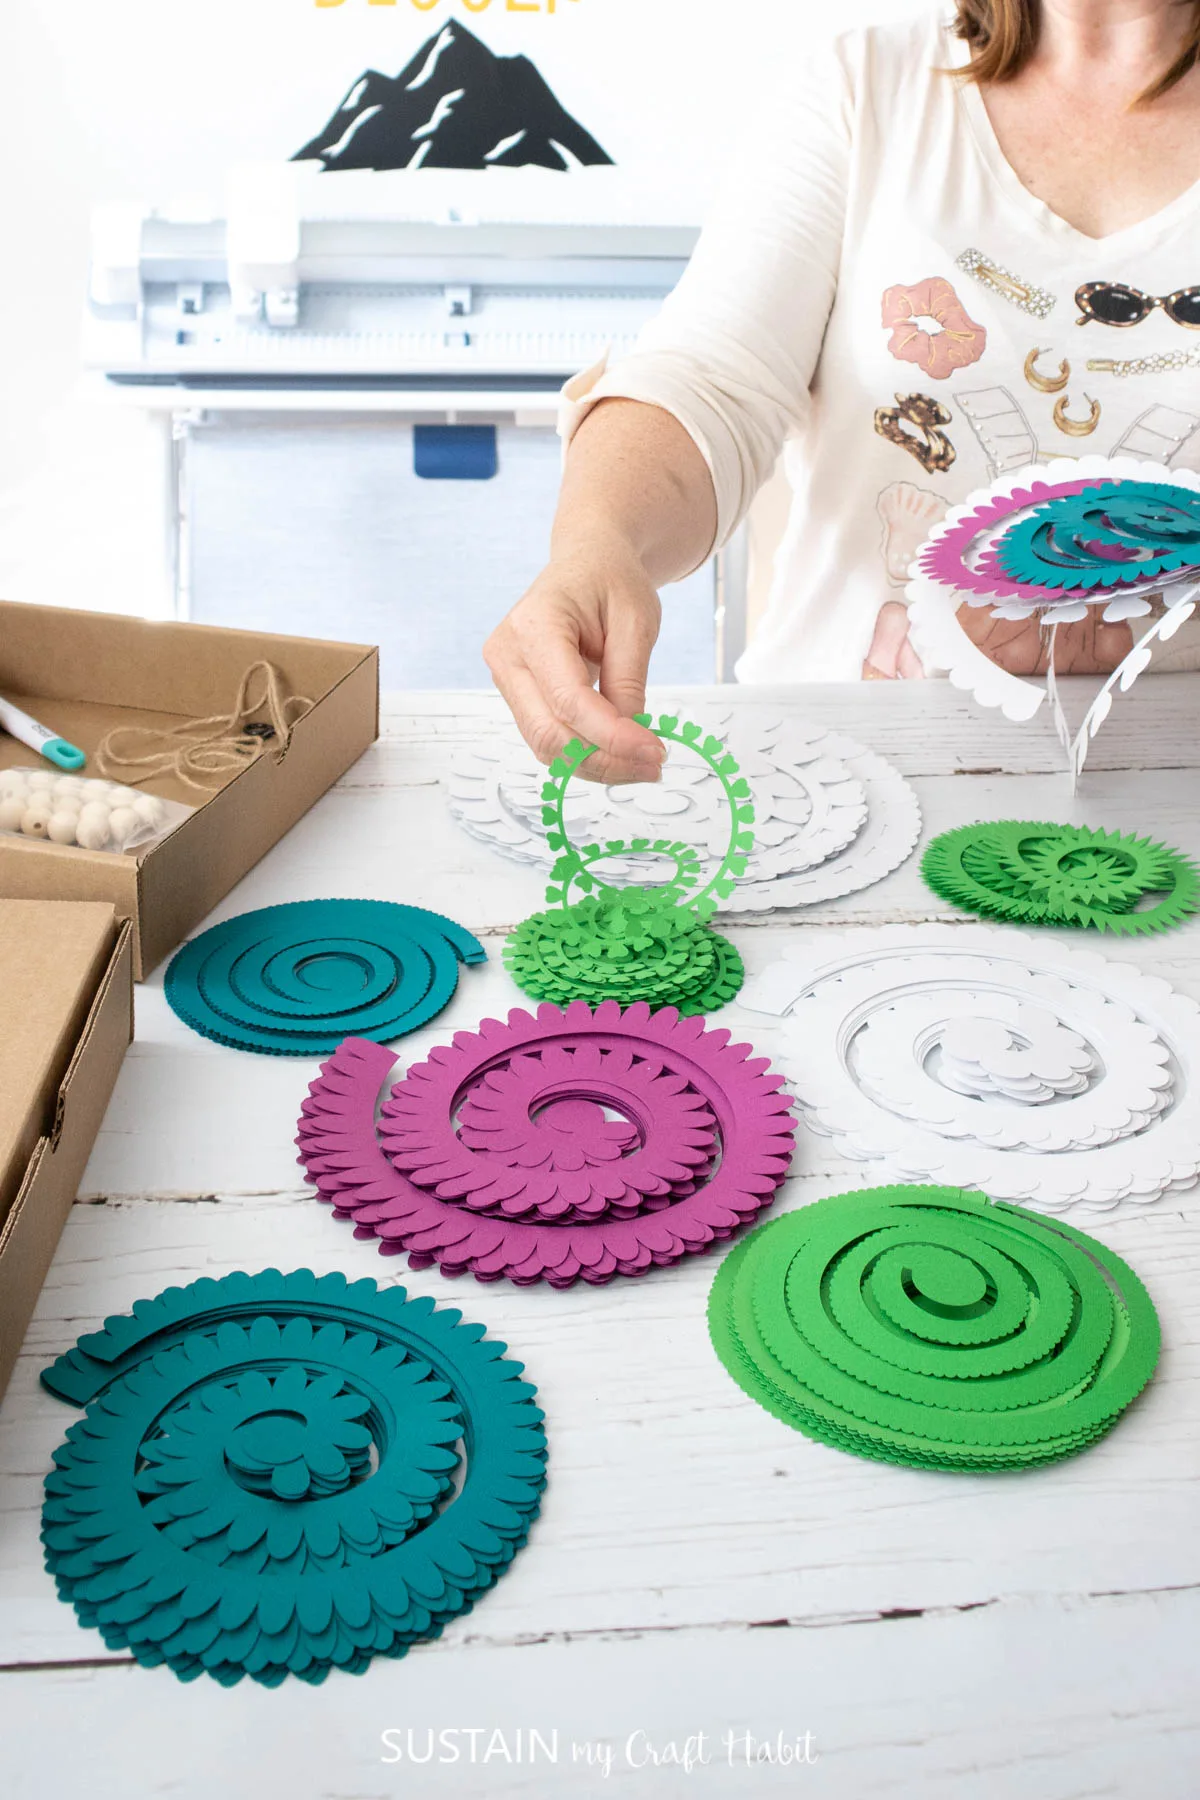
{"x":359,"y":413}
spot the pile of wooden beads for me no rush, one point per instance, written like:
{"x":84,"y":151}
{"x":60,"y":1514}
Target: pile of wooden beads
{"x":77,"y":809}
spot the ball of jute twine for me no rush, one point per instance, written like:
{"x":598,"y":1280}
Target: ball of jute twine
{"x":202,"y":753}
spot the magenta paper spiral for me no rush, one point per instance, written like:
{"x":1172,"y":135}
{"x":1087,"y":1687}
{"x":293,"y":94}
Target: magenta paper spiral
{"x":499,"y":1155}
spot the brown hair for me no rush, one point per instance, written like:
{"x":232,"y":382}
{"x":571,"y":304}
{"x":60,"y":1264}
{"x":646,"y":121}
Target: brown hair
{"x":1003,"y":35}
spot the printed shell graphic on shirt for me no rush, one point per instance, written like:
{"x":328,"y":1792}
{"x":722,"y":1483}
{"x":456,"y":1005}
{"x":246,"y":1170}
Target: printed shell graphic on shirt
{"x":908,"y":514}
{"x":457,"y":105}
{"x":931,"y":327}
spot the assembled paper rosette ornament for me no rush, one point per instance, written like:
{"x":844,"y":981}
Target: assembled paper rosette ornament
{"x":652,"y":944}
{"x":1115,"y":540}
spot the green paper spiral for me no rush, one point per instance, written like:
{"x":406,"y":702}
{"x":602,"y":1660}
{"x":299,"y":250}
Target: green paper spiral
{"x":1042,"y":873}
{"x":575,"y":868}
{"x":635,"y":943}
{"x":934,"y":1327}
{"x":625,"y":945}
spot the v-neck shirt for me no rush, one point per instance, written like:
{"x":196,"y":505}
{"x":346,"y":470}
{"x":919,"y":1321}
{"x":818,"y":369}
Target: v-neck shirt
{"x":878,"y":296}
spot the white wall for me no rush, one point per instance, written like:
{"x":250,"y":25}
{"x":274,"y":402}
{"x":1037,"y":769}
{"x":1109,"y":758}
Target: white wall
{"x":154,"y":99}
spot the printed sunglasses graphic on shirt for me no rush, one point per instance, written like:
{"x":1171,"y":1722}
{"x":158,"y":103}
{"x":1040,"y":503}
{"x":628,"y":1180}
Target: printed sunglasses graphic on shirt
{"x":1112,"y":303}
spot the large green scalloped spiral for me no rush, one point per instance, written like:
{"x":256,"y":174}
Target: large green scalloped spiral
{"x":263,"y":1481}
{"x":930,"y":1326}
{"x":1036,"y":872}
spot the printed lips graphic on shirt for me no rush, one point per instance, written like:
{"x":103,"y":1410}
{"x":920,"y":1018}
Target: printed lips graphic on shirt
{"x":957,"y":340}
{"x":457,"y":105}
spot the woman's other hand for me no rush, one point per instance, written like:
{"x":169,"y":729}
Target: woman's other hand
{"x":891,"y":656}
{"x":1020,"y":646}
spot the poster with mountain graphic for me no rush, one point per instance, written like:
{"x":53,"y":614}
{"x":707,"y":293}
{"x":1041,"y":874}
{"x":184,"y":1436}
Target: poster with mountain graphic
{"x":456,"y":105}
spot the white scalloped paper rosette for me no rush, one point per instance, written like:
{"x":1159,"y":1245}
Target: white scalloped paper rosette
{"x":982,"y":1058}
{"x":945,"y":648}
{"x":831,"y":816}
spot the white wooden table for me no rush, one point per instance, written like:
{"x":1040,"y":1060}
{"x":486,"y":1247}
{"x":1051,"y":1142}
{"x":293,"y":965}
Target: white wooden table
{"x":698,"y":1568}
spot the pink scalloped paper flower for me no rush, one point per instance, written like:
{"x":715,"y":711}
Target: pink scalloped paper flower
{"x":672,"y":1076}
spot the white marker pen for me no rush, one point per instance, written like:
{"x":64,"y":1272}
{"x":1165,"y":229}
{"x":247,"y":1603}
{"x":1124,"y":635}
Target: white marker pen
{"x":47,"y":743}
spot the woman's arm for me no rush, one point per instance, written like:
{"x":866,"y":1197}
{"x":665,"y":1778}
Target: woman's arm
{"x":637,"y":509}
{"x":670,"y":445}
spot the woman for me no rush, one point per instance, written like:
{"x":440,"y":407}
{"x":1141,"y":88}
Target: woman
{"x":964,"y":247}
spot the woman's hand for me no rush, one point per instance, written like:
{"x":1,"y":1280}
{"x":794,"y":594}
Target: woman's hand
{"x":592,"y":612}
{"x":1019,"y":645}
{"x":891,"y":656}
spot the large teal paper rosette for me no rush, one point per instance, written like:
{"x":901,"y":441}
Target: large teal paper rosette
{"x":285,"y":1474}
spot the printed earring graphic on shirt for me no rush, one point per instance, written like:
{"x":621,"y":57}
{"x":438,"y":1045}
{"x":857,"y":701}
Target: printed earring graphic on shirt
{"x":457,"y":105}
{"x":933,"y":449}
{"x":1076,"y":427}
{"x":931,"y":327}
{"x":1046,"y":384}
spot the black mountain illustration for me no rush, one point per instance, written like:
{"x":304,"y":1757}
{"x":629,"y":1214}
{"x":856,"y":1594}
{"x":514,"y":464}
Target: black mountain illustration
{"x":457,"y":105}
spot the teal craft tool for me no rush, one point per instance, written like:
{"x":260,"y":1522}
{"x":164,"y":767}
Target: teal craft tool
{"x":47,"y":743}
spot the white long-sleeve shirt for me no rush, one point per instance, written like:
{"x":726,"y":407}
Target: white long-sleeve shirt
{"x":864,"y":297}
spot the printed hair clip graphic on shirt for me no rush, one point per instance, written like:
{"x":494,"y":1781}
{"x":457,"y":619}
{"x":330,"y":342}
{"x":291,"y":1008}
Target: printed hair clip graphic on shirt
{"x":933,"y":449}
{"x":1026,"y":295}
{"x":1113,"y":303}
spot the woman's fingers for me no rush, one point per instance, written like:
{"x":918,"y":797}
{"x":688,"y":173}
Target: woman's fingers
{"x":891,"y":630}
{"x":541,"y":673}
{"x":909,"y":666}
{"x":553,"y":657}
{"x":631,"y":635}
{"x":1022,"y":647}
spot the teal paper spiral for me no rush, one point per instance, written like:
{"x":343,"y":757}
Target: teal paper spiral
{"x":1115,"y":534}
{"x":280,"y":1474}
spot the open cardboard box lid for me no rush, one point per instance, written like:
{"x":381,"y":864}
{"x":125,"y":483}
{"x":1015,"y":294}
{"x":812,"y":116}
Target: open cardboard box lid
{"x":83,"y":673}
{"x":66,"y":1017}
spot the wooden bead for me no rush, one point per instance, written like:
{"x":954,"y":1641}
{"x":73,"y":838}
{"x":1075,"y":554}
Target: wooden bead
{"x":63,"y":825}
{"x":123,"y":823}
{"x":92,"y":829}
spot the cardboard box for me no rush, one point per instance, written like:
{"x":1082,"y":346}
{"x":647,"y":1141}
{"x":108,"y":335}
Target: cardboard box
{"x":66,"y":1016}
{"x":83,"y":673}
